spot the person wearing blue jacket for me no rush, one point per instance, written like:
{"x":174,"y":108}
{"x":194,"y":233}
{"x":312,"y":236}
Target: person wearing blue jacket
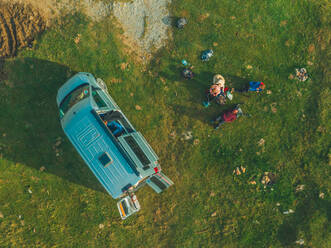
{"x":253,"y":86}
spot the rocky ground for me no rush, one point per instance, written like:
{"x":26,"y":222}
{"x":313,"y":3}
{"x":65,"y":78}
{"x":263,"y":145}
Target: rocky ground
{"x":141,"y":20}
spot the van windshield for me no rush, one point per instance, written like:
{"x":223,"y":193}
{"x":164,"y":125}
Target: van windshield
{"x":78,"y":94}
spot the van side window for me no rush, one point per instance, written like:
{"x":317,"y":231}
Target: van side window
{"x":97,"y":98}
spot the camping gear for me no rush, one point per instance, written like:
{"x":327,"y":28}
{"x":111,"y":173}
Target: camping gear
{"x":207,"y":54}
{"x":184,"y":62}
{"x":208,"y":101}
{"x":187,"y":73}
{"x":181,"y":22}
{"x":229,"y":95}
{"x":221,"y":99}
{"x":301,"y":74}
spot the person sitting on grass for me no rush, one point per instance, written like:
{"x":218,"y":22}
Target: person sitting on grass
{"x":253,"y":86}
{"x":217,"y":91}
{"x":228,"y":116}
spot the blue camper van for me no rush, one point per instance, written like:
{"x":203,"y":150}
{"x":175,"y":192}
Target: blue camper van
{"x":117,"y":154}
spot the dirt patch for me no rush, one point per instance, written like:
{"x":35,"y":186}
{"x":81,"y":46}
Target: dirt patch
{"x":19,"y":25}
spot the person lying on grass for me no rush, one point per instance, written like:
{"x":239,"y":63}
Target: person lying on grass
{"x":228,"y":116}
{"x":253,"y":86}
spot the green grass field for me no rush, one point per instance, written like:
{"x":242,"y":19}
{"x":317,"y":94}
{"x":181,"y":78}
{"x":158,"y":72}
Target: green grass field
{"x":208,"y":206}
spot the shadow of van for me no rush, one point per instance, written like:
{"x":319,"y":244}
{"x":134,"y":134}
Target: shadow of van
{"x":30,"y":130}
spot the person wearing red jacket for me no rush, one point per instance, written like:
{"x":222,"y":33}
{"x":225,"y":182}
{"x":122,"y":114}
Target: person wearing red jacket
{"x":228,"y":116}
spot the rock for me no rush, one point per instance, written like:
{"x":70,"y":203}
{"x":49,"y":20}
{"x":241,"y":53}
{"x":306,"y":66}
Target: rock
{"x":173,"y":134}
{"x":283,"y":23}
{"x":299,"y":188}
{"x":123,"y":66}
{"x":290,"y":211}
{"x":265,"y":180}
{"x":187,"y":135}
{"x":131,"y":94}
{"x":309,"y":63}
{"x":158,"y":212}
{"x":268,"y":178}
{"x":261,"y":142}
{"x":269,"y":92}
{"x":321,"y":195}
{"x":300,"y":242}
{"x":77,"y":38}
{"x":58,"y":143}
{"x":214,"y":214}
{"x":277,"y":204}
{"x":163,"y":80}
{"x":101,"y":226}
{"x":30,"y":191}
{"x":212,"y":194}
{"x":1,"y":215}
{"x":138,"y":107}
{"x":311,"y":48}
{"x":274,"y":109}
{"x":203,"y":17}
{"x":42,"y":168}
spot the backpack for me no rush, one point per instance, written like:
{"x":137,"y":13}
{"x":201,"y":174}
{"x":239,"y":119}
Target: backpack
{"x":206,"y":55}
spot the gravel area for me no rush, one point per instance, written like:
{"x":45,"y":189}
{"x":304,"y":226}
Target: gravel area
{"x":142,"y":22}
